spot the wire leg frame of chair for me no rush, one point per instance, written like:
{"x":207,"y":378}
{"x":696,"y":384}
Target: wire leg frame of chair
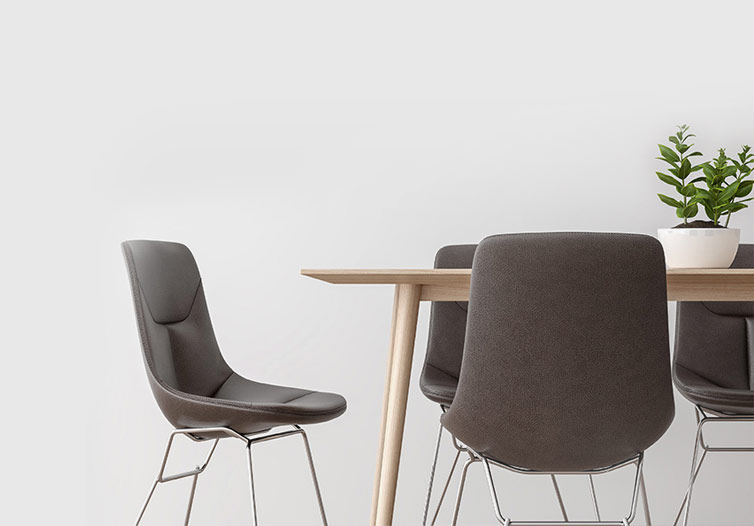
{"x":249,"y":441}
{"x":707,"y":416}
{"x":462,"y":449}
{"x":638,"y":461}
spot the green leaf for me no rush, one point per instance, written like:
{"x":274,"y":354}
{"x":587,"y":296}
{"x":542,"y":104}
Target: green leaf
{"x":697,"y":180}
{"x":665,"y":178}
{"x":729,"y":192}
{"x":735,"y":207}
{"x":671,"y":163}
{"x":685,"y":169}
{"x":688,"y":190}
{"x":729,"y":170}
{"x":668,"y":154}
{"x":708,"y":171}
{"x":708,"y":211}
{"x":694,"y":154}
{"x":682,"y":148}
{"x":675,"y":140}
{"x":704,"y":194}
{"x":670,"y":201}
{"x":744,"y":188}
{"x":690,"y":210}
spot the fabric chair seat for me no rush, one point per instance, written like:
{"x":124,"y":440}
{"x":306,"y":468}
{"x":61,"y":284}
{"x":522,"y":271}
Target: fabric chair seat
{"x":701,"y":391}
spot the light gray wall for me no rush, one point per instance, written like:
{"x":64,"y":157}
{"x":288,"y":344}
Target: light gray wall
{"x":275,"y":136}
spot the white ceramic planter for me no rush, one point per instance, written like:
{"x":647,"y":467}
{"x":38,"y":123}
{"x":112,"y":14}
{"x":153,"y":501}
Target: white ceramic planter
{"x":699,"y":247}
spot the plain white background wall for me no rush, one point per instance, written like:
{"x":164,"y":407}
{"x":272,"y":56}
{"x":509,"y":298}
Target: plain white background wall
{"x":280,"y":135}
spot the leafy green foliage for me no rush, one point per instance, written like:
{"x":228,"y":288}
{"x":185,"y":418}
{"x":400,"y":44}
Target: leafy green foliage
{"x":680,"y":168}
{"x":726,"y":179}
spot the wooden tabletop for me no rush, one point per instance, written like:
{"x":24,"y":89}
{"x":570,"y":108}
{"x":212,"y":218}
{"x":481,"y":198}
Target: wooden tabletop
{"x":453,"y":284}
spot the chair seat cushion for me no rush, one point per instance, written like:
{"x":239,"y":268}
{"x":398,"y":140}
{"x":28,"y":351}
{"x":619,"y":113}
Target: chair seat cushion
{"x":249,"y":407}
{"x":437,"y":385}
{"x":705,"y":393}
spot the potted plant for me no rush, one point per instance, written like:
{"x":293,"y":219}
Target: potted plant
{"x":703,"y":243}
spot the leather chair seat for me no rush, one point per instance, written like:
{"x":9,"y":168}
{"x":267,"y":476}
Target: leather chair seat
{"x":714,"y":350}
{"x":249,"y":407}
{"x":701,"y":391}
{"x":437,"y":385}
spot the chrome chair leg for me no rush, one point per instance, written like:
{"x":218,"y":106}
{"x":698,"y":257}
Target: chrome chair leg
{"x":643,"y":489}
{"x":161,"y":478}
{"x":447,"y":485}
{"x":191,"y":499}
{"x":314,"y":475}
{"x":692,"y":476}
{"x":638,"y":461}
{"x":432,"y":477}
{"x":461,"y":484}
{"x":195,"y":434}
{"x":560,"y":498}
{"x":251,"y":486}
{"x":146,"y":503}
{"x":702,"y":418}
{"x":498,"y":513}
{"x":594,"y":498}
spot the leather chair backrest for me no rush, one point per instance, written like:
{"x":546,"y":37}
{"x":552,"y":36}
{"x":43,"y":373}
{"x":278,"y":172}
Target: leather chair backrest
{"x":447,"y":320}
{"x":177,"y":339}
{"x":566,"y":362}
{"x":715,"y":340}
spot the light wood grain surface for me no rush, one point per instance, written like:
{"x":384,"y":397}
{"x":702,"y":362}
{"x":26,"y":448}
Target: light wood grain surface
{"x":453,"y":284}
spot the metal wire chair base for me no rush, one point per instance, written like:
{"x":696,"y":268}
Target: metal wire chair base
{"x":462,"y":449}
{"x":249,"y":440}
{"x":475,"y":457}
{"x":704,"y":416}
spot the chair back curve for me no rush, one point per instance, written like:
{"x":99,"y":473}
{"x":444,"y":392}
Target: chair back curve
{"x":714,"y":343}
{"x":447,"y":322}
{"x":180,"y":351}
{"x":566,"y":363}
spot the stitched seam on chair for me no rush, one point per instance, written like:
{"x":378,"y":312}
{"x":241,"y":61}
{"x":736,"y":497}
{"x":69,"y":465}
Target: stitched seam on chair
{"x":297,"y":397}
{"x":443,"y":371}
{"x":704,"y":304}
{"x":191,"y":308}
{"x":707,"y":393}
{"x":222,"y":384}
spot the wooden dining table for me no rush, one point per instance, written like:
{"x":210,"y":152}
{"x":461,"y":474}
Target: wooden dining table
{"x":412,"y":286}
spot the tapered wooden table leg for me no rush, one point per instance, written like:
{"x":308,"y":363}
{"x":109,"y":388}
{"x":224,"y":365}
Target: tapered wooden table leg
{"x":385,"y":398}
{"x":403,"y":333}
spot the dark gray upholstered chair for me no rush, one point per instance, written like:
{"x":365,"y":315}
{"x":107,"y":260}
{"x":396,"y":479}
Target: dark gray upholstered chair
{"x":442,"y":363}
{"x":199,"y":394}
{"x":566,"y":363}
{"x":713,"y":366}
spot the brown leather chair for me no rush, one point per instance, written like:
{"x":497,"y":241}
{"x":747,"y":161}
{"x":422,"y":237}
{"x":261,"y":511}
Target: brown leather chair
{"x":713,"y":367}
{"x":197,"y":391}
{"x":566,"y":360}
